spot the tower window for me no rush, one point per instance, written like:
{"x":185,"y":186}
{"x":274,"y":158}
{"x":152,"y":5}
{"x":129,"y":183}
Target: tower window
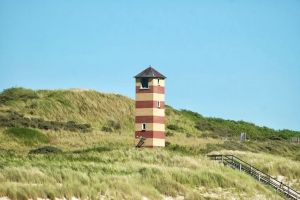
{"x":158,"y":104}
{"x":158,"y":82}
{"x":144,"y":83}
{"x":143,"y":127}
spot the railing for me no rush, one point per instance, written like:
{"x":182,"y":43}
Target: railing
{"x":241,"y":165}
{"x":141,"y":142}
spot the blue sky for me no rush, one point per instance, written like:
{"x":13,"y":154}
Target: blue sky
{"x":232,"y":59}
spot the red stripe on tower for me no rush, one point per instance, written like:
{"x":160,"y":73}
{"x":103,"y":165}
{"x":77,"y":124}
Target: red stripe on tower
{"x":150,"y":119}
{"x":150,"y":134}
{"x":150,"y":104}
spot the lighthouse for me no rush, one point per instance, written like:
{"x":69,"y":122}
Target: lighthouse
{"x":150,"y":109}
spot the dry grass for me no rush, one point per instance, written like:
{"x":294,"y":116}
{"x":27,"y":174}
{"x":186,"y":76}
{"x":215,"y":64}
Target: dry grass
{"x":279,"y":167}
{"x":104,"y":164}
{"x":80,"y":106}
{"x":97,"y":163}
{"x":192,"y":141}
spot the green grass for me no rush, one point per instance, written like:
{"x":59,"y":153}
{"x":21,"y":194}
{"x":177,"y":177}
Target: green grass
{"x":26,"y":135}
{"x":275,"y":165}
{"x":81,"y":106}
{"x":45,"y":150}
{"x":98,"y":163}
{"x":113,"y":112}
{"x":13,"y":94}
{"x":103,"y":161}
{"x":119,"y":173}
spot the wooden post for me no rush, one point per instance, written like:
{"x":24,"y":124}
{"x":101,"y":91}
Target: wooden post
{"x":240,"y":167}
{"x":280,"y":186}
{"x":259,"y":177}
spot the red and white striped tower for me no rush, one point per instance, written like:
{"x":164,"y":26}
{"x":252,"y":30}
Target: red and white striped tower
{"x":150,"y":108}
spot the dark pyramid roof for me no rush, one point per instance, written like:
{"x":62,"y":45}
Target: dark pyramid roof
{"x":150,"y":73}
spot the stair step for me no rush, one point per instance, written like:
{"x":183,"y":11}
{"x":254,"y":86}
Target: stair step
{"x":141,"y":142}
{"x":236,"y":163}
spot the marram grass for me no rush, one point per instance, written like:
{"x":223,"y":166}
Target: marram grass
{"x":107,"y":165}
{"x":27,"y":136}
{"x":103,"y":163}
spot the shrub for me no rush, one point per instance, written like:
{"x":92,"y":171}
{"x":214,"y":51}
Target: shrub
{"x":204,"y":125}
{"x":169,"y":133}
{"x":14,"y":119}
{"x":188,"y":135}
{"x":17,"y":94}
{"x":275,"y":137}
{"x":111,"y":126}
{"x":84,"y":127}
{"x":45,"y":150}
{"x":175,"y":127}
{"x":27,"y":135}
{"x":107,"y":129}
{"x":71,"y":125}
{"x":167,"y":143}
{"x":191,"y":115}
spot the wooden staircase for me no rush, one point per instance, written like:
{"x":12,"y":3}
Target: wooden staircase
{"x":236,"y":163}
{"x":141,"y":142}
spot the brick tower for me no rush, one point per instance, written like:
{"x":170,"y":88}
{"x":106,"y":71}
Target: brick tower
{"x":150,"y":109}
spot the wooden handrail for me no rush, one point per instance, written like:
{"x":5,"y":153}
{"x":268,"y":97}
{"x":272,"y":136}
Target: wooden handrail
{"x":261,"y":176}
{"x":141,"y":142}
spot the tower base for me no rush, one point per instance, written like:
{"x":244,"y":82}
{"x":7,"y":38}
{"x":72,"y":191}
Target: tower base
{"x":152,"y":142}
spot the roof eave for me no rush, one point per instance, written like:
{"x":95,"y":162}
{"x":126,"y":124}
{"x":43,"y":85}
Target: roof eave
{"x":162,"y":77}
{"x":150,"y":72}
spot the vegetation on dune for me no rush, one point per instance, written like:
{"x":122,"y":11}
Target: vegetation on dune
{"x":216,"y":127}
{"x":83,"y":109}
{"x":26,"y":135}
{"x":123,"y":173}
{"x":280,"y":167}
{"x":13,"y":94}
{"x":14,"y":119}
{"x":44,"y":152}
{"x":119,"y":173}
{"x":111,"y":126}
{"x":80,"y":106}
